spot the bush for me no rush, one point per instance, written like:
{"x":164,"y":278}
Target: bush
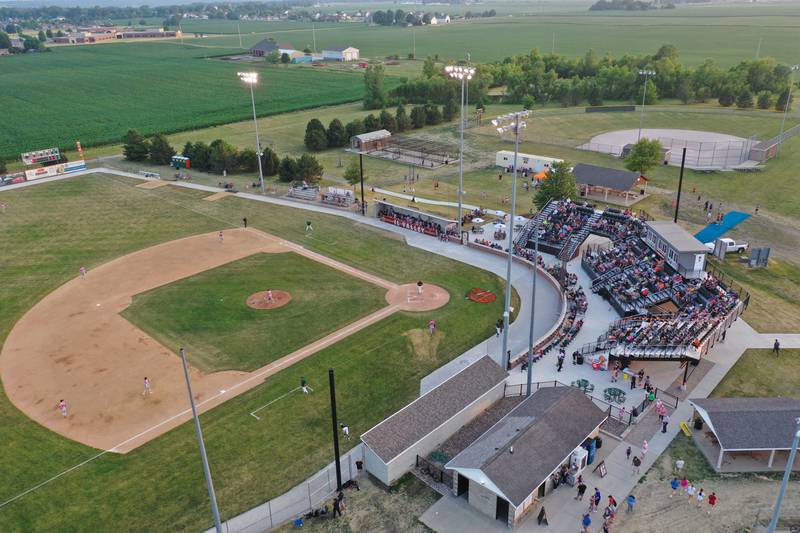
{"x":288,"y":169}
{"x":160,"y":150}
{"x":134,"y":146}
{"x":765,"y":100}
{"x":388,"y":122}
{"x":247,"y":160}
{"x":337,"y":136}
{"x":269,"y":162}
{"x":726,"y":97}
{"x":744,"y":100}
{"x":418,"y":117}
{"x":371,"y":123}
{"x":433,"y":115}
{"x":401,"y":118}
{"x":450,"y":109}
{"x":780,"y":104}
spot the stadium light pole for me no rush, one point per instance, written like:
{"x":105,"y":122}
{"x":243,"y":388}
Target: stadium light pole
{"x":206,"y":470}
{"x":510,"y":122}
{"x":464,"y":74}
{"x":250,"y":79}
{"x":533,"y":306}
{"x":794,"y":69}
{"x":646,"y":74}
{"x":773,"y":523}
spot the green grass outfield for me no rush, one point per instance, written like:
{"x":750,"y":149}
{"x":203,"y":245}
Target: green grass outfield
{"x":208,"y":315}
{"x":49,"y":231}
{"x":94,"y":94}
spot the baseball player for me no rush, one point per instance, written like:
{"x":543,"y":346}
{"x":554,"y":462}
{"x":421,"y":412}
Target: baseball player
{"x":270,"y":299}
{"x":146,"y":390}
{"x":221,"y":237}
{"x":309,"y":228}
{"x":83,"y":272}
{"x":62,"y":406}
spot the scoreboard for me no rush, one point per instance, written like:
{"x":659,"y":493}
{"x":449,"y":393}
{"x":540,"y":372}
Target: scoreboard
{"x":41,"y":156}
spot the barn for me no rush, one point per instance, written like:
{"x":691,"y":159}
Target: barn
{"x":341,"y":53}
{"x":367,"y":142}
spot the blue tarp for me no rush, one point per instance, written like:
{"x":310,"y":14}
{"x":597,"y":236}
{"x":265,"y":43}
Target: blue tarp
{"x":712,"y":232}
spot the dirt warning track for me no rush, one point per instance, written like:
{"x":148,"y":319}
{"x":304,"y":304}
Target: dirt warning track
{"x":73,"y":344}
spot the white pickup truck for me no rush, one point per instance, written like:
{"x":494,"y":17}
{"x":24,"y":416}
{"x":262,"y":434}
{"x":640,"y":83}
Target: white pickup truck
{"x":730,"y":245}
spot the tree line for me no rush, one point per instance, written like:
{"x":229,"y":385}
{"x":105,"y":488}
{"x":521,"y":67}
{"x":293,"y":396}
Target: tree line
{"x":537,"y":78}
{"x":337,"y":135}
{"x":221,"y":157}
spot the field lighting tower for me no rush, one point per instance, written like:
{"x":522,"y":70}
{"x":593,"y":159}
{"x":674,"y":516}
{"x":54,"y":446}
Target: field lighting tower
{"x":250,"y":79}
{"x":505,"y":123}
{"x":794,"y":68}
{"x":464,"y":74}
{"x":646,"y":74}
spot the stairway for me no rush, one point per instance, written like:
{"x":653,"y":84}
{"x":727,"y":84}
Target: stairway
{"x":576,"y":238}
{"x":527,"y":231}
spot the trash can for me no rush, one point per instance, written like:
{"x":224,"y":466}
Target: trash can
{"x":359,"y":465}
{"x":598,"y":442}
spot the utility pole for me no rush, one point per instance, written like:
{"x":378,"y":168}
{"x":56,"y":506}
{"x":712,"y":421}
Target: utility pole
{"x":680,"y":186}
{"x":533,"y":306}
{"x":773,"y":523}
{"x":206,"y":470}
{"x":314,"y":36}
{"x":335,"y":429}
{"x":239,"y":31}
{"x":361,"y":165}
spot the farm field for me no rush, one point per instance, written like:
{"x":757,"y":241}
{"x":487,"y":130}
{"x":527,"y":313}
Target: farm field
{"x":104,"y":90}
{"x":378,"y":369}
{"x":728,"y":34}
{"x":207,"y":314}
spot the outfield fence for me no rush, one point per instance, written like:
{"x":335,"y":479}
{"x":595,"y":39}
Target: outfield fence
{"x":305,"y":497}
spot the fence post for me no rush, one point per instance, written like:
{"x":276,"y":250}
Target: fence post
{"x":269,"y":509}
{"x":310,"y":505}
{"x":328,"y":470}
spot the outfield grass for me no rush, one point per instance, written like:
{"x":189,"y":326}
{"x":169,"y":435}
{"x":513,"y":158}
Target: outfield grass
{"x":207,"y":314}
{"x":94,"y":94}
{"x":758,"y":373}
{"x":50,"y":230}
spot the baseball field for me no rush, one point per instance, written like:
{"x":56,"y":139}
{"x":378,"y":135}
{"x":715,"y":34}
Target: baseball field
{"x":66,"y":474}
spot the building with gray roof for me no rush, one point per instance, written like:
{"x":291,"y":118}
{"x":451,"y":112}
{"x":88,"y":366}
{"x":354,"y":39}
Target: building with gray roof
{"x":392,"y":446}
{"x":505,"y":472}
{"x":746,"y":434}
{"x":679,"y":248}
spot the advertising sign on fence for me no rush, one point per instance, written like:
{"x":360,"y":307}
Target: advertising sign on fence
{"x":54,"y":170}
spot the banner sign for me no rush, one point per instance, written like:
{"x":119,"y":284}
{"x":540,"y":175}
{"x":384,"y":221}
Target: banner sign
{"x":41,"y":156}
{"x":54,"y":170}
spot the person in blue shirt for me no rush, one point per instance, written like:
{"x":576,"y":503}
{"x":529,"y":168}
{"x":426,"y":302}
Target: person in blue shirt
{"x":631,"y":501}
{"x":675,"y":484}
{"x":586,"y":522}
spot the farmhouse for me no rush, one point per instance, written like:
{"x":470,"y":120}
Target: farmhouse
{"x":149,"y":34}
{"x":340,"y":53}
{"x":679,"y":248}
{"x":374,"y":140}
{"x":505,"y":472}
{"x":391,"y":447}
{"x":746,"y":434}
{"x":600,"y":182}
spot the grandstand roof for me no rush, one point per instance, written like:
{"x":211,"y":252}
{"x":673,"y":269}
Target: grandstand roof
{"x":373,"y":135}
{"x":680,"y":239}
{"x":612,"y":178}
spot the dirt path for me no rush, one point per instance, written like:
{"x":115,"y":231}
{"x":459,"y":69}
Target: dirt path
{"x":73,"y":344}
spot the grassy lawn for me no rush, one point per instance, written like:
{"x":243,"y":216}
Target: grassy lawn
{"x":374,"y":508}
{"x":50,"y":230}
{"x":758,"y":373}
{"x":774,"y":291}
{"x":208,"y":315}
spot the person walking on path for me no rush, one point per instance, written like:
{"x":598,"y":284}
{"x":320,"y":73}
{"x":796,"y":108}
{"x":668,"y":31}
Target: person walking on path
{"x":776,"y":348}
{"x":586,"y":521}
{"x":498,"y":327}
{"x":684,"y":485}
{"x":146,"y":390}
{"x":597,"y":498}
{"x":581,"y":491}
{"x":675,"y":485}
{"x":640,"y":377}
{"x":664,"y":422}
{"x":62,"y":406}
{"x":82,"y":270}
{"x":628,"y":454}
{"x":700,"y":496}
{"x":633,"y":382}
{"x":690,"y":491}
{"x":679,"y":465}
{"x":645,"y":446}
{"x":712,"y":501}
{"x":630,"y":501}
{"x":636,"y":464}
{"x":560,"y":361}
{"x":244,"y":221}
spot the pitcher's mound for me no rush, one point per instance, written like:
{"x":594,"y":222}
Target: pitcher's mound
{"x":258,"y":300}
{"x":408,"y":298}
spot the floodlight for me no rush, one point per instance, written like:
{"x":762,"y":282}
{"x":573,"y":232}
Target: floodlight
{"x":249,"y":77}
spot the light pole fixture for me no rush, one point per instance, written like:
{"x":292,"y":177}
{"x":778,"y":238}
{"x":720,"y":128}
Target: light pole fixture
{"x":505,"y":123}
{"x":646,"y":74}
{"x":464,"y":74}
{"x":794,"y":68}
{"x":250,"y":79}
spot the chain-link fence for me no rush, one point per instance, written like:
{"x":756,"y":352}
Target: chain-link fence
{"x":309,"y":495}
{"x":699,"y":154}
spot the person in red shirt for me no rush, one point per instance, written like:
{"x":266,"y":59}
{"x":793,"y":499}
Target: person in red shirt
{"x":712,"y":501}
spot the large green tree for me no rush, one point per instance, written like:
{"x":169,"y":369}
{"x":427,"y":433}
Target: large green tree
{"x":135,"y":146}
{"x":645,"y":155}
{"x":269,"y":162}
{"x":337,"y":136}
{"x":5,"y":41}
{"x":388,"y":121}
{"x":371,"y":123}
{"x":200,"y":156}
{"x":316,"y":138}
{"x":375,"y":96}
{"x":418,"y":116}
{"x":2,"y":167}
{"x":309,"y":169}
{"x":288,"y":169}
{"x":160,"y":150}
{"x":401,"y":118}
{"x":247,"y":160}
{"x":222,"y":156}
{"x":559,"y":185}
{"x":354,"y":127}
{"x":352,"y":174}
